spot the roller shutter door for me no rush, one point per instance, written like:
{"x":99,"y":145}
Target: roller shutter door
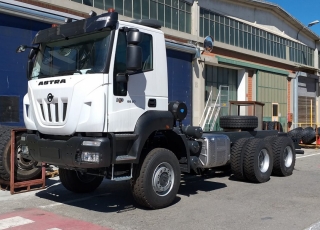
{"x":306,"y":101}
{"x":180,"y":79}
{"x":14,"y":31}
{"x":272,"y":89}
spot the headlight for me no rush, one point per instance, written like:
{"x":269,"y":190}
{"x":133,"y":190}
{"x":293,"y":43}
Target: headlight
{"x":91,"y":143}
{"x":90,"y":157}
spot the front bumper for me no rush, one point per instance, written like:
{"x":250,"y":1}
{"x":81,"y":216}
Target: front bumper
{"x":67,"y":153}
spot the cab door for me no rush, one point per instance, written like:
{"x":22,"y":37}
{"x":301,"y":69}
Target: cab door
{"x":127,"y":101}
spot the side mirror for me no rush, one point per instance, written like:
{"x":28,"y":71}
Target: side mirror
{"x":21,"y":48}
{"x":134,"y":58}
{"x":134,"y":37}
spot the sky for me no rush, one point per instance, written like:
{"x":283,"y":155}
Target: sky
{"x":305,"y":11}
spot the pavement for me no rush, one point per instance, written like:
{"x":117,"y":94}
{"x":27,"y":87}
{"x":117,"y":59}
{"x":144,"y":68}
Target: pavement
{"x":214,"y":201}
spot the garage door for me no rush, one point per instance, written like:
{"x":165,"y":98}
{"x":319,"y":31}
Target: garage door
{"x":306,"y":101}
{"x":272,"y":90}
{"x":180,"y":79}
{"x":14,"y":31}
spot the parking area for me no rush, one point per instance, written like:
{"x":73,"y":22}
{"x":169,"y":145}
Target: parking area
{"x":214,"y":201}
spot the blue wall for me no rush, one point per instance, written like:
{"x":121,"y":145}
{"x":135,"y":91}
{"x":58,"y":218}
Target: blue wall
{"x":180,"y":79}
{"x":14,"y":31}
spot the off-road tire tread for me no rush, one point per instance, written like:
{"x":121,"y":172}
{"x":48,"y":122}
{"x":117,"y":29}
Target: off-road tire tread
{"x":5,"y":136}
{"x":249,"y":157}
{"x":137,"y":187}
{"x":236,"y":158}
{"x":295,"y":133}
{"x":308,"y":136}
{"x":277,"y":149}
{"x":238,"y":122}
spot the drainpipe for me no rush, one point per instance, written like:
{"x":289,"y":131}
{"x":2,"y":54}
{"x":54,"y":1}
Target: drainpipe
{"x":295,"y":100}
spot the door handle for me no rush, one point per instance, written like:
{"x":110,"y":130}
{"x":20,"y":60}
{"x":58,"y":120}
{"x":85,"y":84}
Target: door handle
{"x":152,"y":102}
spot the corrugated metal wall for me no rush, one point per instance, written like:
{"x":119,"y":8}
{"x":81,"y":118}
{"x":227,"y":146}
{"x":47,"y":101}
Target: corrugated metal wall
{"x":180,"y":79}
{"x":272,"y":88}
{"x":14,"y":31}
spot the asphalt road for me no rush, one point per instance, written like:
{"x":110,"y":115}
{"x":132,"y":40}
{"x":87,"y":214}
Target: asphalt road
{"x":216,"y":201}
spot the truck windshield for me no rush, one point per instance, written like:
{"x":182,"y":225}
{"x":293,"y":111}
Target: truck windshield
{"x":80,"y":55}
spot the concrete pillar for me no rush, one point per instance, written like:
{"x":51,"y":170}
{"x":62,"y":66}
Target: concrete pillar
{"x":198,"y":88}
{"x":316,"y":59}
{"x":195,"y":13}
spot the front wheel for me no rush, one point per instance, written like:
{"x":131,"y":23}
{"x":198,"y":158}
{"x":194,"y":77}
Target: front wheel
{"x":157,"y":180}
{"x":78,"y":182}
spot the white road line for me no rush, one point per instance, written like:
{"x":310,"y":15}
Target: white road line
{"x":54,"y":229}
{"x":310,"y":155}
{"x":72,"y":201}
{"x":315,"y":226}
{"x":14,"y":222}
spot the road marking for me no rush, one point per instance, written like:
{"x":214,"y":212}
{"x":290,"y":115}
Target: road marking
{"x":315,"y":226}
{"x":14,"y":222}
{"x":54,"y":229}
{"x":72,"y":201}
{"x":310,"y":155}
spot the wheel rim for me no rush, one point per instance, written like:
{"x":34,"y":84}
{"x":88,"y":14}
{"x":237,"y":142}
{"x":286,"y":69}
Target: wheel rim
{"x":264,"y":160}
{"x":288,"y":156}
{"x":163,"y":179}
{"x":22,"y":163}
{"x":84,"y":177}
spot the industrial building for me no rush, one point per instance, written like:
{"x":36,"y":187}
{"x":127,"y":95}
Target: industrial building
{"x":260,"y":51}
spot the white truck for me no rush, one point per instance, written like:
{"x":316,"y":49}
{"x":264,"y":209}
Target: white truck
{"x":97,"y":107}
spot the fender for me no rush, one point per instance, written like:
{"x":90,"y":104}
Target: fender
{"x":147,"y":123}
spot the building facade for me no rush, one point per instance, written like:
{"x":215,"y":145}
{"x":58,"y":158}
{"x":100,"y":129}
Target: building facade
{"x":261,"y":53}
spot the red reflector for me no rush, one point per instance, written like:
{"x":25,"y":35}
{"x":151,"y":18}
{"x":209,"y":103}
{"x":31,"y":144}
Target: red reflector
{"x":54,"y":25}
{"x":110,"y":10}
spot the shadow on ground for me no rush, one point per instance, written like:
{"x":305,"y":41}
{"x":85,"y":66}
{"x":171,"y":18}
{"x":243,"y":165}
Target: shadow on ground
{"x":116,"y":196}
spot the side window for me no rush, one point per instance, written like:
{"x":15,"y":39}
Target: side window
{"x":120,"y":88}
{"x":147,"y":52}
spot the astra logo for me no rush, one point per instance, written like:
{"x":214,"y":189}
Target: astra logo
{"x":52,"y":82}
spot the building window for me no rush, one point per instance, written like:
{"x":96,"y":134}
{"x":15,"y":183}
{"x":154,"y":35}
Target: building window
{"x":230,"y":31}
{"x":173,"y":14}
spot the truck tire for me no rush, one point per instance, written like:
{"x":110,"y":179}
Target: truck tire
{"x":258,"y":160}
{"x":76,"y":182}
{"x":308,"y":136}
{"x":295,"y":133}
{"x":284,"y":156}
{"x":24,"y":169}
{"x":271,"y":125}
{"x":239,"y":122}
{"x":236,"y":158}
{"x":156,"y":181}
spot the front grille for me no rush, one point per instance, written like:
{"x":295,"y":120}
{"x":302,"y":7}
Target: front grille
{"x":54,"y":112}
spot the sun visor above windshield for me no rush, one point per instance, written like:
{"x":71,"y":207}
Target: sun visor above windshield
{"x":107,"y":20}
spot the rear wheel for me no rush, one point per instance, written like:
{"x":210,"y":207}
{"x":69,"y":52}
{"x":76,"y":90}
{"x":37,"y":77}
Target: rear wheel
{"x":258,"y":160}
{"x":236,"y":158}
{"x":156,"y":182}
{"x":284,"y":156}
{"x":78,"y":182}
